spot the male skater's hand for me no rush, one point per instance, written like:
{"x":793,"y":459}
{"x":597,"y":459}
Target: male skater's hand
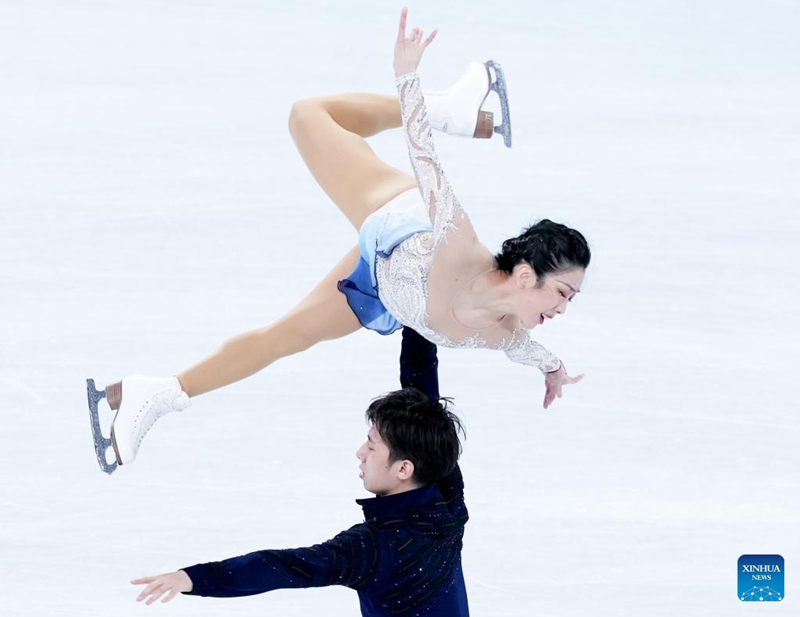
{"x":171,"y":584}
{"x":554,"y":381}
{"x":408,"y":50}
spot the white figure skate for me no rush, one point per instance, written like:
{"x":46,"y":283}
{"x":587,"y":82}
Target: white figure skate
{"x":458,"y":110}
{"x":139,"y":401}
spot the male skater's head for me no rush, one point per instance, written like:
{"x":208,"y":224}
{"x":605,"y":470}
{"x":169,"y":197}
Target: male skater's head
{"x":412,"y":442}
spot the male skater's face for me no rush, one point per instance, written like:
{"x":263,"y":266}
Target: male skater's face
{"x":380,"y":476}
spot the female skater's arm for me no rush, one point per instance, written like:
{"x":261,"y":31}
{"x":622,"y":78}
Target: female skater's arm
{"x":443,"y":208}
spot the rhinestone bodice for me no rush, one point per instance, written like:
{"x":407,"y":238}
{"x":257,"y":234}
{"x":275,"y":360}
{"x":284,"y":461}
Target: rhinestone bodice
{"x":402,"y":275}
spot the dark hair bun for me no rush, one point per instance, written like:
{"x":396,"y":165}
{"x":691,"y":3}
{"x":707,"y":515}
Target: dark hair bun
{"x":547,"y":247}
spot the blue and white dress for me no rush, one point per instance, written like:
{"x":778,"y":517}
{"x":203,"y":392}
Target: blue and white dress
{"x":388,"y":289}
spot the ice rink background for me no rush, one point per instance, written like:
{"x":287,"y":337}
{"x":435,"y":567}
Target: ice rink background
{"x":152,"y":205}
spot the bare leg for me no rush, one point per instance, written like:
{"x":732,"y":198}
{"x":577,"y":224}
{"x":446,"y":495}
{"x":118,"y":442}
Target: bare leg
{"x":322,"y":316}
{"x":329,"y":133}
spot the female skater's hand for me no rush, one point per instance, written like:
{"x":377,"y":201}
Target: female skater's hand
{"x":408,"y":50}
{"x":171,"y":584}
{"x":553,"y":383}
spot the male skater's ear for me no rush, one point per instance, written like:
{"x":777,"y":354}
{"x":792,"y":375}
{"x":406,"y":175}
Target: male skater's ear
{"x":406,"y":470}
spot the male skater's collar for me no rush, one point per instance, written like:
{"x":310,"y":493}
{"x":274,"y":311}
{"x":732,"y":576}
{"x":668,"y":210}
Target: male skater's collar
{"x":408,"y":500}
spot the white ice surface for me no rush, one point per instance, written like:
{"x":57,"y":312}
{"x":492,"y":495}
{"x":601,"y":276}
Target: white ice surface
{"x":152,"y":205}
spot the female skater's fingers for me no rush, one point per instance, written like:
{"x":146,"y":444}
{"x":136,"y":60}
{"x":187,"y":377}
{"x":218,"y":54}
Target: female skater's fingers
{"x":555,"y":382}
{"x":576,"y":379}
{"x":401,"y":31}
{"x":170,"y":594}
{"x":143,"y":580}
{"x":430,"y":38}
{"x":548,"y":395}
{"x":409,"y":47}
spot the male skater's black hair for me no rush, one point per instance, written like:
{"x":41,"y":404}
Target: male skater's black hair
{"x":420,"y":429}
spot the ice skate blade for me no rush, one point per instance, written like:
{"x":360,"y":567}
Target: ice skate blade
{"x":101,"y":443}
{"x":499,"y":86}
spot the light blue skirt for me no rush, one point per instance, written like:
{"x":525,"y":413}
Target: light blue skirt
{"x":380,"y":233}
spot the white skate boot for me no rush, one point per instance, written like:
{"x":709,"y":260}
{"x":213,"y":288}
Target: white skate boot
{"x":458,"y":110}
{"x":139,"y":401}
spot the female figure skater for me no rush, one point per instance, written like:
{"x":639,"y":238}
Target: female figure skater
{"x":418,"y":263}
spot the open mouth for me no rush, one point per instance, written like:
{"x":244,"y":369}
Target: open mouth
{"x":544,"y":316}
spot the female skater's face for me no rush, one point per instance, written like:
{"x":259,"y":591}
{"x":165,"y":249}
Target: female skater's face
{"x":545,"y":298}
{"x":380,"y":476}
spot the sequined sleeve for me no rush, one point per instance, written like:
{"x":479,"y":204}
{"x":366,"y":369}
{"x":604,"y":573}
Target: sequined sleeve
{"x":348,"y":559}
{"x":529,"y":352}
{"x":433,"y":185}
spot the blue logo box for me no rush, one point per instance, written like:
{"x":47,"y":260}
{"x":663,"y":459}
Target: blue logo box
{"x":761,"y":578}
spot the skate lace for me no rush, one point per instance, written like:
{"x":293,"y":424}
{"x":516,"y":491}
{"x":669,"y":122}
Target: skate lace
{"x":152,"y":409}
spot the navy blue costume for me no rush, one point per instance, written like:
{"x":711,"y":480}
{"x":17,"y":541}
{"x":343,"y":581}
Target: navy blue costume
{"x":403,"y":560}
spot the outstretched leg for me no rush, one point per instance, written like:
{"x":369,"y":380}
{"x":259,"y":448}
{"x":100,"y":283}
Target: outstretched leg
{"x":322,"y":316}
{"x":139,"y":401}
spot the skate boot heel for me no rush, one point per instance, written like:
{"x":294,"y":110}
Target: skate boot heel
{"x":114,"y":395}
{"x":114,"y":400}
{"x":485,"y":127}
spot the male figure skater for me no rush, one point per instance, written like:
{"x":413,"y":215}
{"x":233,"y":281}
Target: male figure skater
{"x":405,"y":558}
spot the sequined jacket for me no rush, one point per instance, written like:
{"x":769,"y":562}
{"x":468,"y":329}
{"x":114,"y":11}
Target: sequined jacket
{"x":403,"y":560}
